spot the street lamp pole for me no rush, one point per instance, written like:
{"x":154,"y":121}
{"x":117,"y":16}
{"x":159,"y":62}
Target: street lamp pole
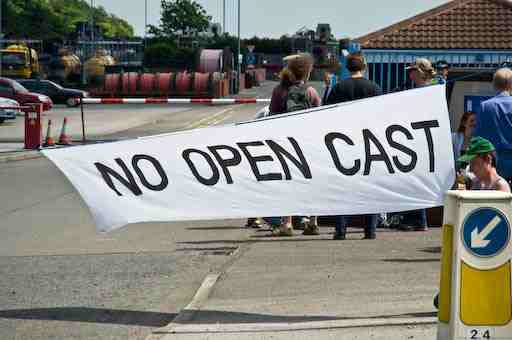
{"x":92,"y":26}
{"x":1,"y":37}
{"x":224,"y":16}
{"x":238,"y":51}
{"x":145,"y":22}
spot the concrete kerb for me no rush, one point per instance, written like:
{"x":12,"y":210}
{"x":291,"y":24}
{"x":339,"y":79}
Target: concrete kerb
{"x":19,"y":156}
{"x":294,"y":327}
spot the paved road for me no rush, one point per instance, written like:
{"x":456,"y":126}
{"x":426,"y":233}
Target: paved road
{"x":61,"y":279}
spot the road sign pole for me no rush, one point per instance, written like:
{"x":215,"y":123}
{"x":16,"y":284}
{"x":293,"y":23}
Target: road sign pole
{"x":475,"y":299}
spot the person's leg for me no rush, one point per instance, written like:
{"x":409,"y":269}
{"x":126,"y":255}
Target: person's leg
{"x":370,"y":227}
{"x":285,"y":229}
{"x":421,"y":220}
{"x":340,"y":227}
{"x":312,"y":227}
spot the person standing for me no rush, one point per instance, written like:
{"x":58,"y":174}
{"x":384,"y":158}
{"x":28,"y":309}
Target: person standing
{"x":294,"y":94}
{"x":421,"y":74}
{"x":462,"y":137}
{"x":481,"y":156}
{"x":494,"y":122}
{"x":356,"y":87}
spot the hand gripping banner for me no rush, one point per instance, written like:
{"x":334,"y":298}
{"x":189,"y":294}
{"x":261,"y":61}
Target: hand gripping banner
{"x":382,"y":154}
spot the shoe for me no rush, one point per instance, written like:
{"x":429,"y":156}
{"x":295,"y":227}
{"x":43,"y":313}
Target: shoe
{"x":403,"y":227}
{"x":421,"y":228}
{"x":370,"y":236}
{"x":339,"y":237}
{"x":254,"y":223}
{"x":302,"y":225}
{"x":311,"y":229}
{"x":436,"y":301}
{"x":283,"y":230}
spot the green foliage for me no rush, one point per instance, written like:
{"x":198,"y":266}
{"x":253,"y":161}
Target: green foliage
{"x":181,"y":17}
{"x":164,"y":52}
{"x":282,"y":45}
{"x":56,"y":19}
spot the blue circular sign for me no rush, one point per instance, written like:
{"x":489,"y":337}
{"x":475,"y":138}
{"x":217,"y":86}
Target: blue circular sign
{"x":486,"y":232}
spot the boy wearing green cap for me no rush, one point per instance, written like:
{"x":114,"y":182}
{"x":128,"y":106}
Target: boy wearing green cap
{"x":481,"y":156}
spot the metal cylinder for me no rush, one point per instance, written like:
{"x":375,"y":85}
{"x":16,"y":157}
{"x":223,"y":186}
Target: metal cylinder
{"x":112,"y":83}
{"x":211,"y":61}
{"x":201,"y":83}
{"x":183,"y":82}
{"x":147,"y":83}
{"x":129,"y":81}
{"x":163,"y":81}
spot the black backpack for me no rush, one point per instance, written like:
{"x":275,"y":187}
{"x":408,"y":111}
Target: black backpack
{"x":297,"y":98}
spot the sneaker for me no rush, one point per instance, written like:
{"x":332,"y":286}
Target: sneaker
{"x":311,"y":229}
{"x":403,"y":227}
{"x":283,"y":230}
{"x":370,"y":236}
{"x":254,"y":223}
{"x":339,"y":237}
{"x":302,"y":225}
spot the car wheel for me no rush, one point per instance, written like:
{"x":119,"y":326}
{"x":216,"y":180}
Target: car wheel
{"x":72,"y":102}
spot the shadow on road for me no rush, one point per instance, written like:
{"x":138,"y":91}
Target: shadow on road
{"x":223,"y":317}
{"x":91,"y":315}
{"x":216,"y":228}
{"x":411,"y":260}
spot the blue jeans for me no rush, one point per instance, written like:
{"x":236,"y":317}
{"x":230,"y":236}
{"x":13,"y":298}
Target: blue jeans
{"x":370,"y":221}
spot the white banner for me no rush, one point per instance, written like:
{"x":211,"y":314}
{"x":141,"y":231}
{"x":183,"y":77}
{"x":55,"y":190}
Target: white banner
{"x":382,"y":154}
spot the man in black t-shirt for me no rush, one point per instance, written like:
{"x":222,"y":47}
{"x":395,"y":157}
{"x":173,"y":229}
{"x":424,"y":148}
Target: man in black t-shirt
{"x":356,"y":87}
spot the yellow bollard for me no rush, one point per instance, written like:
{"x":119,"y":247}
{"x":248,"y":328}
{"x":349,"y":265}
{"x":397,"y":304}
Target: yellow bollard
{"x":475,"y":300}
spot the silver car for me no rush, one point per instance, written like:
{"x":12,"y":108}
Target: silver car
{"x":7,"y":113}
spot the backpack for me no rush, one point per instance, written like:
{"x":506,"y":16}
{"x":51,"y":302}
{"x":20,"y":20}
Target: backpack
{"x":297,"y":98}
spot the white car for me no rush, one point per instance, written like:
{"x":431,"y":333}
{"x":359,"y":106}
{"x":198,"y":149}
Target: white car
{"x":8,"y":113}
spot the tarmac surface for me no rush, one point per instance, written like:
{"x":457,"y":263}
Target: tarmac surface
{"x":195,"y":280}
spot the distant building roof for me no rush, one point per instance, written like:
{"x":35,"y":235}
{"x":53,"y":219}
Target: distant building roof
{"x":459,"y":24}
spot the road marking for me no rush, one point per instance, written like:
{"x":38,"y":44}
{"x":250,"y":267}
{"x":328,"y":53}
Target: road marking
{"x":218,"y":121}
{"x":207,"y":119}
{"x":188,"y":312}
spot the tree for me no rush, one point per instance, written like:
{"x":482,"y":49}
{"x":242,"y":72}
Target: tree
{"x":56,"y":19}
{"x":181,"y":17}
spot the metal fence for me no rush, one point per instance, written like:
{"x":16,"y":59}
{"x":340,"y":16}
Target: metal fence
{"x":387,"y":67}
{"x":125,"y":52}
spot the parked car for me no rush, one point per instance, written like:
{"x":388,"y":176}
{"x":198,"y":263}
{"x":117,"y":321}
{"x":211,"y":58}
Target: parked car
{"x":13,"y":90}
{"x":7,"y":113}
{"x":58,"y":94}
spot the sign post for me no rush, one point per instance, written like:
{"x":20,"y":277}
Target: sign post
{"x":475,"y":300}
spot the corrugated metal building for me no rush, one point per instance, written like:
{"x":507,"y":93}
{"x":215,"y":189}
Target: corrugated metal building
{"x":472,"y":35}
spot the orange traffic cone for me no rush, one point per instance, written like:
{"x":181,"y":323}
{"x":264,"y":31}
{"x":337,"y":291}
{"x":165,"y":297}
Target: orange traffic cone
{"x":49,"y":140}
{"x":64,"y":139}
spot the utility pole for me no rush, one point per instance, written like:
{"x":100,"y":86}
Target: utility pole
{"x":224,"y":16}
{"x":145,"y":22}
{"x":238,"y":51}
{"x":92,"y":27}
{"x":1,"y":37}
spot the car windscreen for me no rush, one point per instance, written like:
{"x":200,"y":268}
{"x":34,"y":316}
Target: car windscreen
{"x":55,"y":84}
{"x":13,"y":58}
{"x":18,"y":87}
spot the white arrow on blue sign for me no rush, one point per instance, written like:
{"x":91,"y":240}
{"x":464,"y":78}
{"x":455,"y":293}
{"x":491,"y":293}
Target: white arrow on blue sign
{"x":486,"y":232}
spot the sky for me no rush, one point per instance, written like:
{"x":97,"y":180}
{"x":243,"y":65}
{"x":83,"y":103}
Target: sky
{"x":273,"y":18}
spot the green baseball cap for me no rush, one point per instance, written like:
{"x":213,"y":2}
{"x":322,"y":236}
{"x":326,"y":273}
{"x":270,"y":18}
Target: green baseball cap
{"x":477,"y":146}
